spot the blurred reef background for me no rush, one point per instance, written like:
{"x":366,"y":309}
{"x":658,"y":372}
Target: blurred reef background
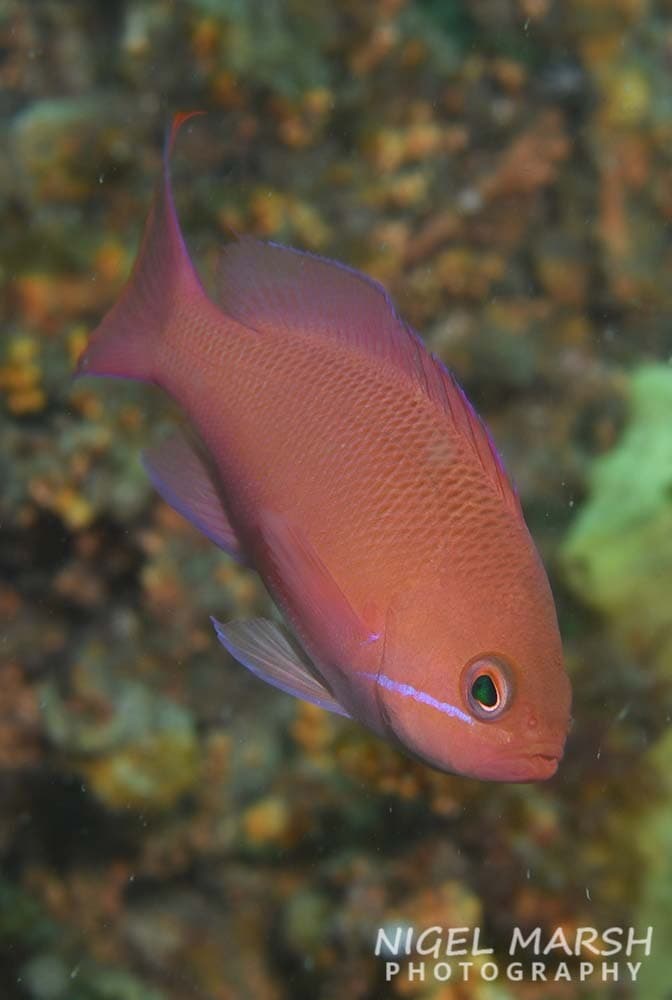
{"x":170,"y":828}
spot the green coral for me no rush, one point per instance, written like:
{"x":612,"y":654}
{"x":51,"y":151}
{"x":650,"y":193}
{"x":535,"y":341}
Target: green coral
{"x":618,"y":558}
{"x":654,"y":910}
{"x":618,"y":554}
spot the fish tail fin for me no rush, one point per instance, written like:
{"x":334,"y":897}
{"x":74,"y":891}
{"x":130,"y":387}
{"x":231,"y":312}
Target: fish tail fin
{"x":127,"y":343}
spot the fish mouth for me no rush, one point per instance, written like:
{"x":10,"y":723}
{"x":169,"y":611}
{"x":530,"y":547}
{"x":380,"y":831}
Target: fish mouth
{"x":542,"y":766}
{"x":536,"y":766}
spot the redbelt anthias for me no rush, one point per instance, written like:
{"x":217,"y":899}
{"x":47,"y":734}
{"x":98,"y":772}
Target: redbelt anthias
{"x":326,"y":448}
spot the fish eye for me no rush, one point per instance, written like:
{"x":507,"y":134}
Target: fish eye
{"x":487,"y":687}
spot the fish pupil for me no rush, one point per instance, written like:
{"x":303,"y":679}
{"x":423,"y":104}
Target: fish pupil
{"x":483,"y":691}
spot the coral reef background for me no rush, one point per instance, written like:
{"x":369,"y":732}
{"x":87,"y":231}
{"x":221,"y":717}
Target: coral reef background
{"x":170,"y":829}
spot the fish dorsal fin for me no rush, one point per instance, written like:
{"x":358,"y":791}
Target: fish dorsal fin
{"x":180,"y":474}
{"x":262,"y":647}
{"x":446,"y":392}
{"x":276,"y":289}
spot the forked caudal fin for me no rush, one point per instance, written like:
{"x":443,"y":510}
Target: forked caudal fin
{"x":125,"y":343}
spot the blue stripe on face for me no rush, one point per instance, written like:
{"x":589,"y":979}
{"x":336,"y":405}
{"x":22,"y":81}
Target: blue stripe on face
{"x":408,"y":691}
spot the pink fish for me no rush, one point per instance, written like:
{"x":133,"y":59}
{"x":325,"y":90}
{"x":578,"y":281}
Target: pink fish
{"x":331,"y":452}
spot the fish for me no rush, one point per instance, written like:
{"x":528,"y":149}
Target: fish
{"x":326,"y":448}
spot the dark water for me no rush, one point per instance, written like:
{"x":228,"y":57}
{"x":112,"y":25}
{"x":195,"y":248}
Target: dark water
{"x":169,"y":827}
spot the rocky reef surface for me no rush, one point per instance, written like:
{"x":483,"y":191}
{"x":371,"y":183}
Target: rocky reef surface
{"x":170,"y":829}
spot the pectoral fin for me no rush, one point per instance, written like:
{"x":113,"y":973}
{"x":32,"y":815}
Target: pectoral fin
{"x":310,"y":588}
{"x":261,"y":646}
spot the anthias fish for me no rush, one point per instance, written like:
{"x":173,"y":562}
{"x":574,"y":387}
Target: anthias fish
{"x":329,"y":450}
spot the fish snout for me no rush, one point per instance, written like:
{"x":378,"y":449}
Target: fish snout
{"x":537,"y":762}
{"x":541,"y":766}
